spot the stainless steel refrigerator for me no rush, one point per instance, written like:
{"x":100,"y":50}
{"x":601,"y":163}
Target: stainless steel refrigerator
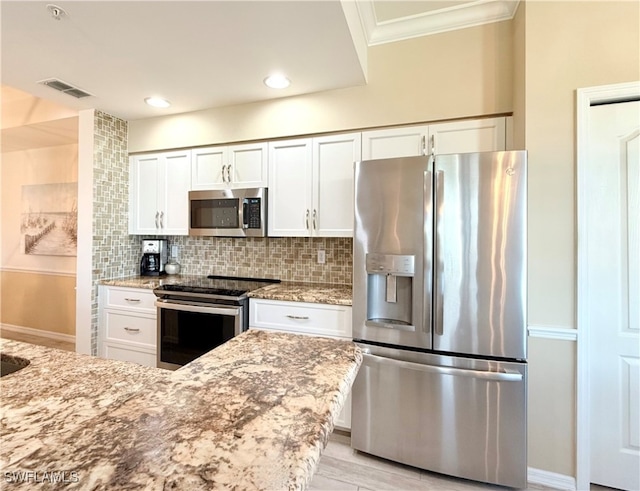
{"x":439,"y":308}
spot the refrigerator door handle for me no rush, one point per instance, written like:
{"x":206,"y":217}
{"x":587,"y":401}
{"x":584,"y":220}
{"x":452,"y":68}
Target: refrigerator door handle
{"x":501,"y":376}
{"x":427,"y":274}
{"x":439,"y":262}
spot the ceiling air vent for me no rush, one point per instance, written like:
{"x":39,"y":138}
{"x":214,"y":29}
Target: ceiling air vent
{"x":65,"y":88}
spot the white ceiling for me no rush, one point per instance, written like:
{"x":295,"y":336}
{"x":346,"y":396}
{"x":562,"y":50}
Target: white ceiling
{"x":204,"y":54}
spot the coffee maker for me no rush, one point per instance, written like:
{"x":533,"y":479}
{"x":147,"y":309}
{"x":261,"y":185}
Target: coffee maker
{"x":154,"y":257}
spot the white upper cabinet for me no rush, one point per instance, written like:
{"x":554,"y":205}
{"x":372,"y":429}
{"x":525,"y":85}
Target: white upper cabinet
{"x":232,"y":166}
{"x":290,"y":188}
{"x":208,"y":168}
{"x":478,"y":135}
{"x":159,"y":193}
{"x":249,"y":165}
{"x":409,"y":141}
{"x":311,"y":186}
{"x":333,"y":161}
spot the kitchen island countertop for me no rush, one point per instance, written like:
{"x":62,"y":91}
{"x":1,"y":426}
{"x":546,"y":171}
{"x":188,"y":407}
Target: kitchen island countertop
{"x":287,"y":290}
{"x":255,"y":413}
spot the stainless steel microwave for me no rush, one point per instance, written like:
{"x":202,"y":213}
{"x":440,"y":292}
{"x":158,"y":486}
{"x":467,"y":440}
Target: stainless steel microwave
{"x":228,"y":212}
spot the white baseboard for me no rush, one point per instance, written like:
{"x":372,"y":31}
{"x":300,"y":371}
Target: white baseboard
{"x":551,"y":479}
{"x":38,"y":332}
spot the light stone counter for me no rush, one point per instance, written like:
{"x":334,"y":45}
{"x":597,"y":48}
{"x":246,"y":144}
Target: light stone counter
{"x":287,"y":290}
{"x":148,"y":282}
{"x":306,"y":292}
{"x":255,"y":413}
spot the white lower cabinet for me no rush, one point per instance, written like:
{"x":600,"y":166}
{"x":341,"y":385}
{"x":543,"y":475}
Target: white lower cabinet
{"x":312,"y":319}
{"x":127,"y":324}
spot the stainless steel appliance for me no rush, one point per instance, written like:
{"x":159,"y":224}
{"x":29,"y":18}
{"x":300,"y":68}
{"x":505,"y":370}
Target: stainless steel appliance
{"x":439,"y":308}
{"x":197,"y":315}
{"x":154,"y":257}
{"x":228,"y":212}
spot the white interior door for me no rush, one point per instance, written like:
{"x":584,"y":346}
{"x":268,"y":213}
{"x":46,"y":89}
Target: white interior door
{"x":613,"y":312}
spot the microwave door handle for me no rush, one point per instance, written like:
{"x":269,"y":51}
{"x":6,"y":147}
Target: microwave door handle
{"x":244,"y":218}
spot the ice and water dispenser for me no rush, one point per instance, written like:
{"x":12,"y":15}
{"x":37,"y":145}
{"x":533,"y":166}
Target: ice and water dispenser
{"x":390,"y":291}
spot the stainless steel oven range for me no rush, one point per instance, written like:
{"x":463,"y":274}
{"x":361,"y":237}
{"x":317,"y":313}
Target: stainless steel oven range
{"x":199,"y":314}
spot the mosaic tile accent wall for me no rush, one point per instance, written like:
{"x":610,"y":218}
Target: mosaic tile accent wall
{"x":115,"y":252}
{"x":286,"y":258}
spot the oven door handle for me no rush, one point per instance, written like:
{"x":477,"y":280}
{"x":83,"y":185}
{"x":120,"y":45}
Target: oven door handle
{"x":189,"y":307}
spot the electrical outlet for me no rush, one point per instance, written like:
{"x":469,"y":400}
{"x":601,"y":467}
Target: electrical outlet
{"x":174,"y":251}
{"x":321,"y":257}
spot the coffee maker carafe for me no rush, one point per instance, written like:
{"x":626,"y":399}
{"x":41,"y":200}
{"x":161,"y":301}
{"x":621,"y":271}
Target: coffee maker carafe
{"x":154,"y":257}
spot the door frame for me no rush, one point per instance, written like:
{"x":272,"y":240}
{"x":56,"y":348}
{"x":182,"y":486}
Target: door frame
{"x":584,"y":98}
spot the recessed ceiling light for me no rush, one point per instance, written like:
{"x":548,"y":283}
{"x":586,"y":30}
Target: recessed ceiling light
{"x":157,"y":102}
{"x":277,"y":82}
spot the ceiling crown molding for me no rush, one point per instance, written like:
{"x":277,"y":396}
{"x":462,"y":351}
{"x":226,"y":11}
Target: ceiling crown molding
{"x":435,"y":21}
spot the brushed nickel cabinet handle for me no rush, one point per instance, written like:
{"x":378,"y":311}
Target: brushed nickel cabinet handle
{"x":229,"y":173}
{"x":307,"y":219}
{"x":131,"y":329}
{"x":157,"y":214}
{"x":132,"y":299}
{"x":298,"y":317}
{"x":315,"y":216}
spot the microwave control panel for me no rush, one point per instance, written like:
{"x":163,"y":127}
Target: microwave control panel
{"x":251,"y":212}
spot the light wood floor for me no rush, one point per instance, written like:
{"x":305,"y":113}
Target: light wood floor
{"x":39,"y":340}
{"x":341,"y":467}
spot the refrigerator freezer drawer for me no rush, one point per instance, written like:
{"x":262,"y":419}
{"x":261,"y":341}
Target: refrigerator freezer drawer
{"x":457,"y":416}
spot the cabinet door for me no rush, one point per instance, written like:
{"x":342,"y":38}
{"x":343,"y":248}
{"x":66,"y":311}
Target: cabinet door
{"x":290,"y":188}
{"x":344,"y":418}
{"x":248,"y":165}
{"x":394,"y":142}
{"x":174,"y":199}
{"x":333,"y":161}
{"x":478,"y":135}
{"x":141,"y":356}
{"x":209,"y":168}
{"x":144,"y":177}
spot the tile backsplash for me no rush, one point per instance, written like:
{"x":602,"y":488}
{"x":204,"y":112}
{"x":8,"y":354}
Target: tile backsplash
{"x":286,"y":258}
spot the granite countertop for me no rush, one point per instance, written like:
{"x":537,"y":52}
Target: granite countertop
{"x":255,"y":413}
{"x":305,"y":292}
{"x":287,"y":290}
{"x":148,"y":282}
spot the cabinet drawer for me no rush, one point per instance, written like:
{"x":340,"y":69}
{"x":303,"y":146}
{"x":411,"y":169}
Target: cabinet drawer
{"x":134,"y":299}
{"x":301,"y":318}
{"x":133,"y":355}
{"x":130,"y":328}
